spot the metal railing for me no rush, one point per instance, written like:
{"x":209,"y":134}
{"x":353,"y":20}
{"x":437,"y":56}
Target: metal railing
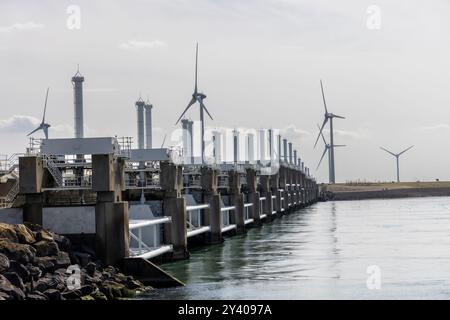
{"x":194,"y":220}
{"x":247,"y":217}
{"x":262,"y":202}
{"x":225,"y":221}
{"x":144,"y":250}
{"x":274,"y":198}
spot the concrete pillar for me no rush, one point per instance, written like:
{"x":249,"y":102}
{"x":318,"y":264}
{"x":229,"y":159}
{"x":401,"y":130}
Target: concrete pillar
{"x":148,"y":126}
{"x":175,"y":233}
{"x":30,"y":185}
{"x":140,"y":124}
{"x":253,"y":195}
{"x":275,"y":186}
{"x":237,"y":199}
{"x":264,"y":181}
{"x":290,"y":153}
{"x":213,"y":216}
{"x":77,"y":82}
{"x":174,"y":206}
{"x":285,"y":150}
{"x":111,"y":213}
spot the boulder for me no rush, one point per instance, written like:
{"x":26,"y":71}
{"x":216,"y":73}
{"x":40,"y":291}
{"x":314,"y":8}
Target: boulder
{"x":53,"y":294}
{"x":87,"y":290}
{"x":35,"y":272}
{"x":22,"y":253}
{"x":98,"y":295}
{"x":63,"y":242}
{"x":15,"y":280}
{"x":91,"y":268}
{"x":20,"y":269}
{"x":46,"y":248}
{"x":43,"y":235}
{"x":71,"y":295}
{"x":7,"y":232}
{"x":112,"y":290}
{"x":37,"y":296}
{"x":13,"y":292}
{"x":46,"y":264}
{"x":24,"y":234}
{"x":62,"y":260}
{"x":4,"y":263}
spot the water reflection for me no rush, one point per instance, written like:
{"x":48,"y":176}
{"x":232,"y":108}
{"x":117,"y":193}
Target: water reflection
{"x":322,"y":252}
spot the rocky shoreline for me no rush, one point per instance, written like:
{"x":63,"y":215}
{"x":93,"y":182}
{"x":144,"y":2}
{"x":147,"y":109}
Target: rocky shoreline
{"x":37,"y":264}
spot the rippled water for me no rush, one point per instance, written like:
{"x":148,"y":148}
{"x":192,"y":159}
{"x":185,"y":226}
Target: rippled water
{"x":322,"y":252}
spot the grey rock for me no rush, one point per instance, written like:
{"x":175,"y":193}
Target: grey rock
{"x":24,"y":234}
{"x":4,"y":263}
{"x":46,"y":248}
{"x":7,"y":232}
{"x":13,"y":292}
{"x":91,"y":268}
{"x":53,"y":294}
{"x":62,"y":260}
{"x":15,"y":280}
{"x":22,"y":253}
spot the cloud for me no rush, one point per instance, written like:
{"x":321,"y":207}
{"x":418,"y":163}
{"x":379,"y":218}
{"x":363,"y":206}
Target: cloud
{"x":291,"y":131}
{"x":18,"y":124}
{"x":21,"y":27}
{"x":134,"y":45}
{"x":440,"y":126}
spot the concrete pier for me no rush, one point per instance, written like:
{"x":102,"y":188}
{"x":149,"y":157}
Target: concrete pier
{"x":111,"y":213}
{"x":237,"y":200}
{"x":174,"y":206}
{"x":212,"y":217}
{"x":30,"y":185}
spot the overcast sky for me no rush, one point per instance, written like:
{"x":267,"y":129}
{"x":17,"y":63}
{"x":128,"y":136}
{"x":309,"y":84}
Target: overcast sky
{"x":260,"y":66}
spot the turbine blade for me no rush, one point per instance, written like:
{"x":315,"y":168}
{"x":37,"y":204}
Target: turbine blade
{"x":323,"y":155}
{"x":203,"y":106}
{"x":187,"y":108}
{"x":323,"y":137}
{"x":323,"y":97}
{"x":336,"y":116}
{"x":320,"y":132}
{"x":388,"y":151}
{"x":37,"y":129}
{"x":340,"y":145}
{"x":196,"y":67}
{"x":405,"y":150}
{"x":45,"y":106}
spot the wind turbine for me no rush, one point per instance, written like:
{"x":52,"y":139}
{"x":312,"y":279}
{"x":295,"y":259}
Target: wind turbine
{"x":43,"y":126}
{"x":198,"y":97}
{"x":397,"y":155}
{"x":327,"y":149}
{"x":329,"y":116}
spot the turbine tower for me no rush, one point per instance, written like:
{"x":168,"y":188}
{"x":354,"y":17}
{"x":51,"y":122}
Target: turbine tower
{"x":43,"y":126}
{"x":397,"y":155}
{"x":329,"y":116}
{"x":198,"y":97}
{"x":327,"y":150}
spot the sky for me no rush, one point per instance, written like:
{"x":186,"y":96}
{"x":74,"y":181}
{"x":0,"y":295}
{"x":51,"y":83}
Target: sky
{"x":384,"y":66}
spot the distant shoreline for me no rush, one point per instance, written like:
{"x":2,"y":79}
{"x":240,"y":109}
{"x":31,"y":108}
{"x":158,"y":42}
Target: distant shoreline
{"x":388,"y":190}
